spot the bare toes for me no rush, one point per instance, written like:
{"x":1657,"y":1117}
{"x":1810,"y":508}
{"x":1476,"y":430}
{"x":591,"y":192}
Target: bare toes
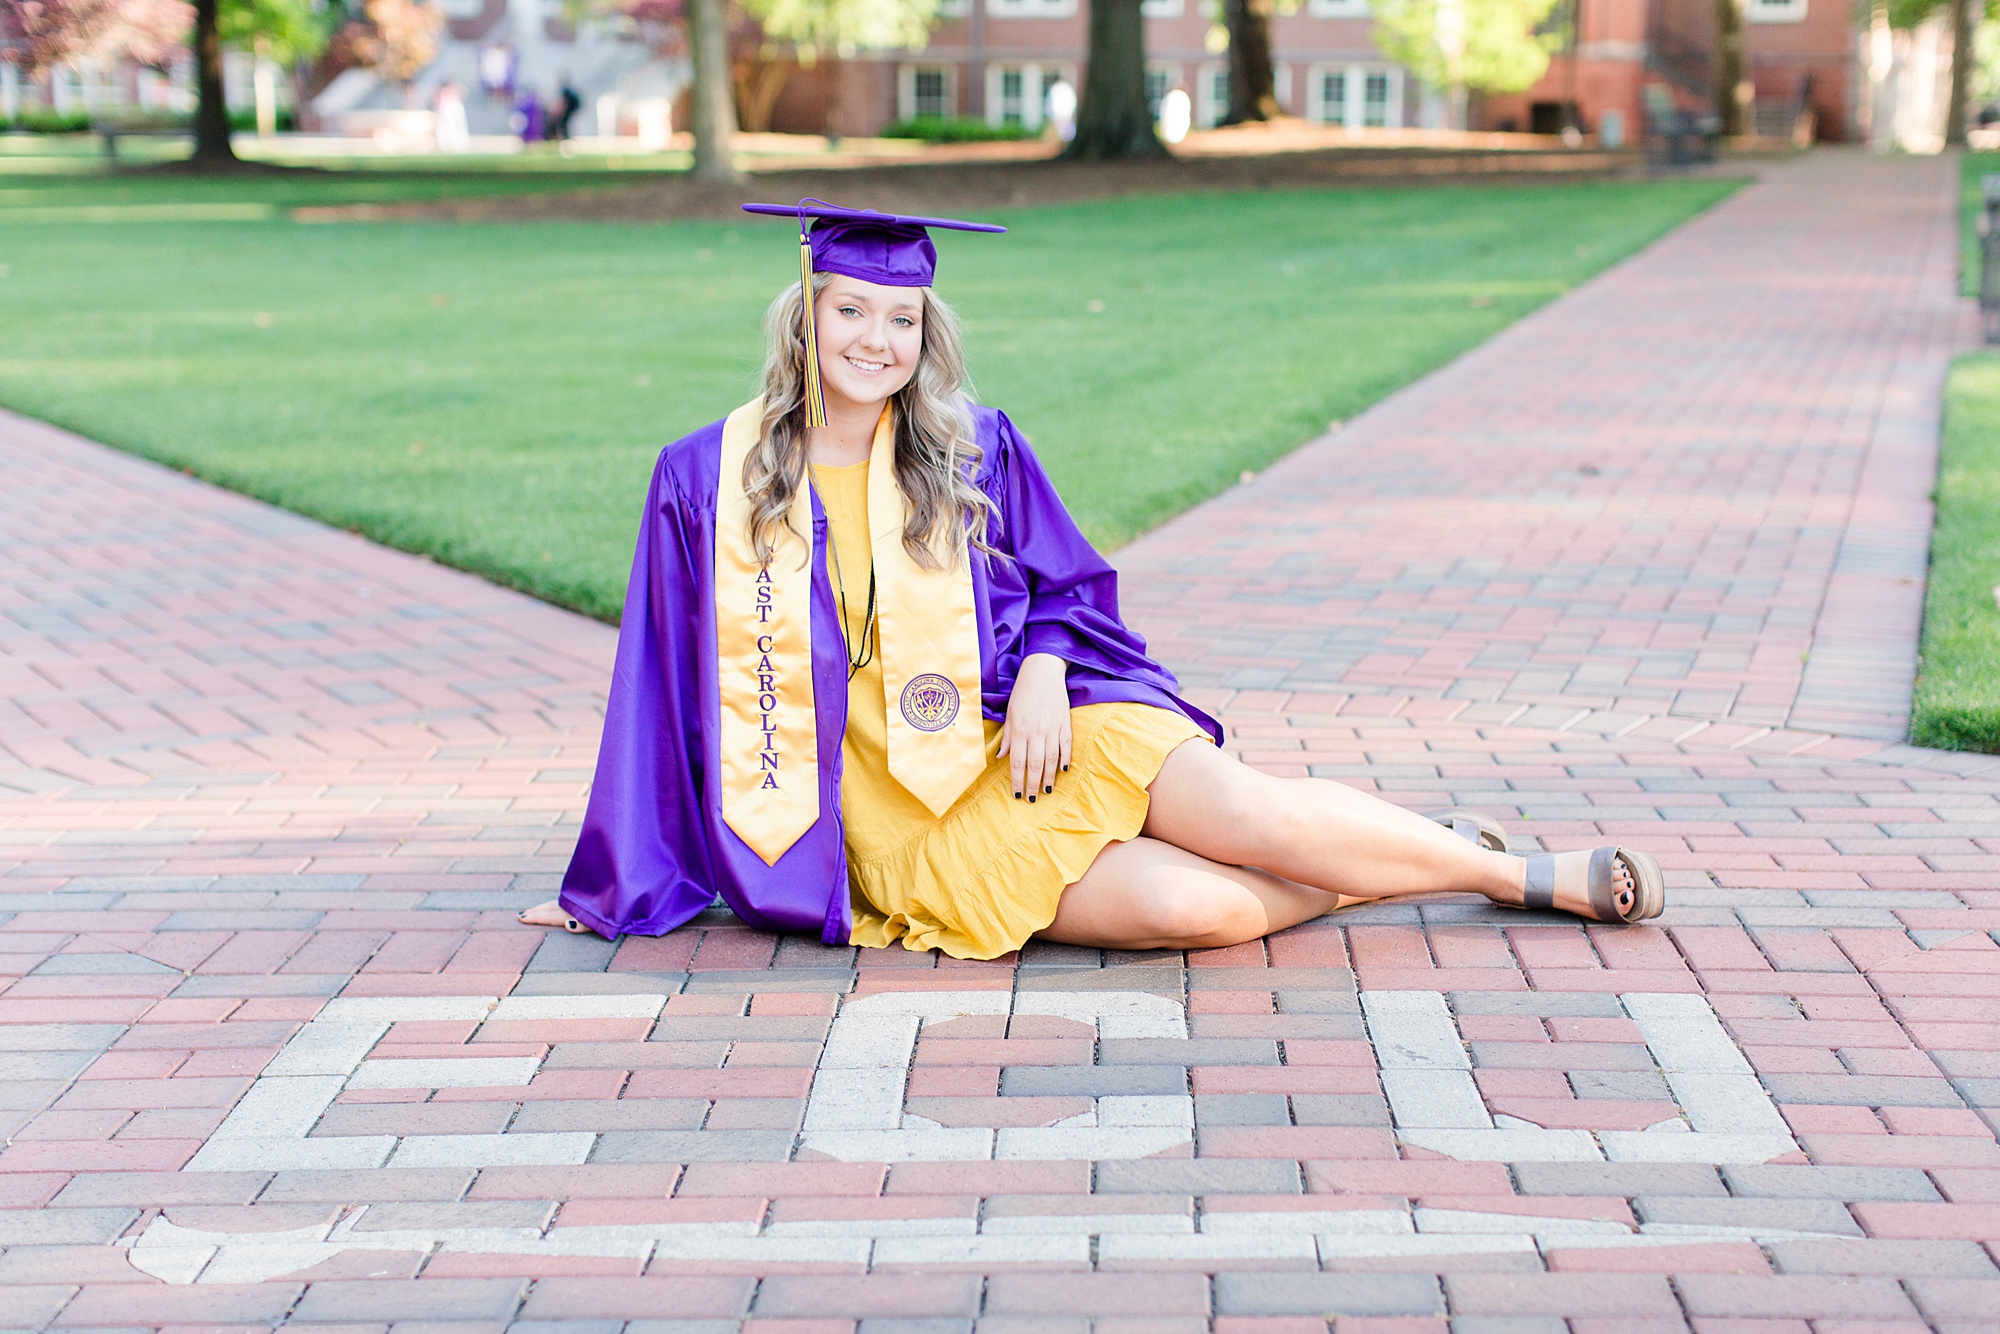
{"x":553,"y":914}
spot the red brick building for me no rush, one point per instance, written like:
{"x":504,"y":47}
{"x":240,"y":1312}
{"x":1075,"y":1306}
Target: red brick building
{"x":994,"y":59}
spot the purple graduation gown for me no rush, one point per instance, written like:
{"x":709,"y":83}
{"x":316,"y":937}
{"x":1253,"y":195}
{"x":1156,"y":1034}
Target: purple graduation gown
{"x":654,"y":850}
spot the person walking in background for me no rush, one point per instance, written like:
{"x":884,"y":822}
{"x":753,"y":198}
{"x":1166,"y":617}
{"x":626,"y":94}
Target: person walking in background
{"x":872,"y":683}
{"x":449,"y":108}
{"x":568,"y":102}
{"x":496,"y":71}
{"x":529,"y":120}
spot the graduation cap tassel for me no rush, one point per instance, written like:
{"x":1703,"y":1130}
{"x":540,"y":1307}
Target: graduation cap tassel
{"x":815,"y":397}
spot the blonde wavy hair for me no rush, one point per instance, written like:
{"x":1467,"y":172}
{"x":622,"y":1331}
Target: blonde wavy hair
{"x":936,"y":455}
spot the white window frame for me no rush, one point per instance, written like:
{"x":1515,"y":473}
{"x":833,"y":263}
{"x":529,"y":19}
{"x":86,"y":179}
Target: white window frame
{"x":953,"y":9}
{"x":906,"y":89}
{"x":1355,"y":94}
{"x":1783,"y":11}
{"x":1316,"y":107}
{"x":996,"y":94}
{"x":1030,"y":9}
{"x":1392,"y":111}
{"x":1337,"y":9}
{"x":1283,"y":88}
{"x":1036,"y":80}
{"x":1162,"y":9}
{"x":1167,"y":70}
{"x":1207,"y":111}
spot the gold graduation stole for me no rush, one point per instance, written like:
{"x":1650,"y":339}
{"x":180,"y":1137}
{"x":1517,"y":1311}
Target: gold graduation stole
{"x":929,"y":645}
{"x":763,"y":658}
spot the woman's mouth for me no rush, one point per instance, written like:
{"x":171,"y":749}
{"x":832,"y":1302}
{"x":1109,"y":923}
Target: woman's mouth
{"x":867,"y":367}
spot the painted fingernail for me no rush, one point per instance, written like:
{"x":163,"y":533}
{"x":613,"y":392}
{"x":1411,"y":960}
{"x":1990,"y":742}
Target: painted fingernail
{"x":1017,"y":796}
{"x":1031,"y":798}
{"x":1065,"y":768}
{"x":1048,"y":788}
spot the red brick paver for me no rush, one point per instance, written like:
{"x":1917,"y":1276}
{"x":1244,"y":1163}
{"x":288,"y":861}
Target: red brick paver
{"x":1647,"y":565}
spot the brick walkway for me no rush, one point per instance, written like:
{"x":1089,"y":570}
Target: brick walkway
{"x":1649,"y":564}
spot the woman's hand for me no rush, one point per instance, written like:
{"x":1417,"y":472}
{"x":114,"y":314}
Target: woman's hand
{"x":1036,"y":734}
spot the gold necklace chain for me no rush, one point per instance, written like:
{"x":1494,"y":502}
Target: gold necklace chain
{"x":869,"y":629}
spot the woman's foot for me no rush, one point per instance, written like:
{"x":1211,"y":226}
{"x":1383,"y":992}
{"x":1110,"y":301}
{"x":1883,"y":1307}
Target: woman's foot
{"x":1610,"y":884}
{"x":552,"y":913}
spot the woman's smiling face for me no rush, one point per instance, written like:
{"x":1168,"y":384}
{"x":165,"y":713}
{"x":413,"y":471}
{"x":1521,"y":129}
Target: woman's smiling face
{"x":870,"y":338}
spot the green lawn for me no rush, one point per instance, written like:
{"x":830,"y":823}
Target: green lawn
{"x":1972,"y":166}
{"x":494,"y":395}
{"x":66,"y":182}
{"x":1957,"y":702}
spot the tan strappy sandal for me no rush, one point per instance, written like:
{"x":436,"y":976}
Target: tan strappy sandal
{"x":1481,"y":831}
{"x":1597,"y":881}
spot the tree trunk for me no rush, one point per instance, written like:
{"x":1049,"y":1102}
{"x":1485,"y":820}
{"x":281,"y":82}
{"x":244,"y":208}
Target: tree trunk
{"x":1729,"y":65}
{"x":1252,"y":91}
{"x":1961,"y":72}
{"x":211,"y":112}
{"x":1113,"y":121}
{"x":714,"y":109}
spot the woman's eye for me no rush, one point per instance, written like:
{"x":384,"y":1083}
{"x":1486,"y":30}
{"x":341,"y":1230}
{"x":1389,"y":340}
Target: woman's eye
{"x":905,"y":321}
{"x":850,"y":310}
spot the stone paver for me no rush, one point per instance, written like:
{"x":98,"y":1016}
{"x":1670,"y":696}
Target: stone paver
{"x":1648,"y":565}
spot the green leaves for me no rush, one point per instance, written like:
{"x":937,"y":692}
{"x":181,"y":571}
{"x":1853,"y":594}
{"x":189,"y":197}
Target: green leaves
{"x":1491,"y":45}
{"x":289,"y":30}
{"x":841,"y":27}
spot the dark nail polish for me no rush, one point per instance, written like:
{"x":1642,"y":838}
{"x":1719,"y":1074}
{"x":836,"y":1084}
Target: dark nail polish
{"x":1065,"y":768}
{"x":1017,"y":796}
{"x":1031,"y":798}
{"x":1047,"y":789}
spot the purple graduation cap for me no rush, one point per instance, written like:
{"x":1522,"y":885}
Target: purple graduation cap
{"x":883,"y":248}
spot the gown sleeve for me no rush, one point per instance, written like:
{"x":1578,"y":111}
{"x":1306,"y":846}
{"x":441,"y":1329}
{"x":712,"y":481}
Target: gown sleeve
{"x":642,"y":861}
{"x":1072,"y":591}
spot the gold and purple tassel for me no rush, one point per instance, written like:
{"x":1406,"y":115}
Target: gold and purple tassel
{"x":815,"y":397}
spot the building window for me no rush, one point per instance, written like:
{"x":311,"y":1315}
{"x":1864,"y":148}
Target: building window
{"x":1354,"y":95}
{"x":1281,"y":88}
{"x":1011,"y":111}
{"x":1338,"y":9}
{"x":1019,"y":94}
{"x":1775,"y":11}
{"x":1329,"y":97}
{"x":1212,"y":96}
{"x":1159,"y":78}
{"x":925,"y":92}
{"x":1051,"y":76}
{"x":1375,"y":99}
{"x":1162,"y":9}
{"x":1031,"y":9}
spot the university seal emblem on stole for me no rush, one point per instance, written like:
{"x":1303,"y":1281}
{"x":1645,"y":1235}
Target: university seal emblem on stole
{"x":930,"y":702}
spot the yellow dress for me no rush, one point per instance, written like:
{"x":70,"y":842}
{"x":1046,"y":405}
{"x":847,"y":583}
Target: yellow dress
{"x":981,"y":880}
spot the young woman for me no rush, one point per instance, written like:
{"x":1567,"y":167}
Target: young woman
{"x":872,"y":683}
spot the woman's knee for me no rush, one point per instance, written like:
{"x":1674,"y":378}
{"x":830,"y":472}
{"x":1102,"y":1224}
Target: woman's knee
{"x":1209,"y":911}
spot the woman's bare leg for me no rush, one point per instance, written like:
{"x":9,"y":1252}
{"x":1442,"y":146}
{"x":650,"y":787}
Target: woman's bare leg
{"x":1320,"y":833}
{"x":1192,"y":881}
{"x":1149,"y":895}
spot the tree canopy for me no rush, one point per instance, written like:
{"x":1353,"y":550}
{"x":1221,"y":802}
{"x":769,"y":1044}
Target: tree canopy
{"x":1490,"y":45}
{"x":288,"y":30}
{"x":60,"y":32}
{"x":818,"y":28}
